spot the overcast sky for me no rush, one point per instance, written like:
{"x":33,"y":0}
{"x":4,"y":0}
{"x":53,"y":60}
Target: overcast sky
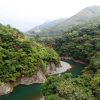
{"x":25,"y":14}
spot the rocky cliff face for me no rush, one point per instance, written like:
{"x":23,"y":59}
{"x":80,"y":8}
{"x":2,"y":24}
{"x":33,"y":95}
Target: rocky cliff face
{"x":5,"y":88}
{"x":52,"y":67}
{"x":39,"y":77}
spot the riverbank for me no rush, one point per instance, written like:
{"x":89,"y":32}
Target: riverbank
{"x":63,"y":68}
{"x":28,"y":92}
{"x":6,"y":88}
{"x":39,"y":77}
{"x":71,"y":58}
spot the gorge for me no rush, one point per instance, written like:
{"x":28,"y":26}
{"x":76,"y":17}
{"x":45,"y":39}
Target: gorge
{"x":33,"y":91}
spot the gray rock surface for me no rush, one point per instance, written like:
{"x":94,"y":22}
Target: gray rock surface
{"x":38,"y":78}
{"x":63,"y":67}
{"x":5,"y":88}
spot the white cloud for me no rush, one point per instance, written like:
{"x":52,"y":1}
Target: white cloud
{"x":24,"y":14}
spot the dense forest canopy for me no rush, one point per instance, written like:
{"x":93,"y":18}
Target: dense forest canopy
{"x":19,"y":56}
{"x":82,"y":43}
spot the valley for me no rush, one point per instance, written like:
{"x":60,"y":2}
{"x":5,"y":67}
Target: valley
{"x":59,"y":60}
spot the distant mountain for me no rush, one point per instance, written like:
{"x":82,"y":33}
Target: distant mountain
{"x":84,"y":15}
{"x":57,"y":27}
{"x":45,"y":26}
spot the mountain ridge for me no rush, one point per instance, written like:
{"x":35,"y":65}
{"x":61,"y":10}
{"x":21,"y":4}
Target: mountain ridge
{"x":88,"y":14}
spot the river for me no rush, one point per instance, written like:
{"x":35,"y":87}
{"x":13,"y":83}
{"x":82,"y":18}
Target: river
{"x":32,"y":92}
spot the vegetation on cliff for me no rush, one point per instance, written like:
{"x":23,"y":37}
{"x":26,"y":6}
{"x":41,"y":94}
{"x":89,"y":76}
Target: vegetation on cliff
{"x":21,"y":57}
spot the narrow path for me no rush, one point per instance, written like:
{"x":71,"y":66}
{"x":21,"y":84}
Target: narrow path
{"x":64,"y":67}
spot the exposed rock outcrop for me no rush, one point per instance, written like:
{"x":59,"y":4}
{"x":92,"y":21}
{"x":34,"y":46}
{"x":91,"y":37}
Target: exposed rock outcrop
{"x":61,"y":68}
{"x":39,"y":77}
{"x":51,"y":67}
{"x":5,"y":88}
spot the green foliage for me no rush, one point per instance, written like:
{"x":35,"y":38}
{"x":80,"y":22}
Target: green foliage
{"x":51,"y":97}
{"x":82,"y":43}
{"x":95,"y":61}
{"x":21,"y":57}
{"x":67,"y":88}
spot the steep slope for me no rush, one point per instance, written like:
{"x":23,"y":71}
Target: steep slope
{"x":87,"y":15}
{"x":22,"y":61}
{"x":21,"y":57}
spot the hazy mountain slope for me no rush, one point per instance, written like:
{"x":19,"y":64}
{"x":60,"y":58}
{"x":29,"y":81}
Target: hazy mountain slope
{"x":45,"y":26}
{"x":84,"y":15}
{"x":87,"y":15}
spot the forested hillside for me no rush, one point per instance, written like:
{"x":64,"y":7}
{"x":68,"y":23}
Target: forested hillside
{"x":86,"y":15}
{"x":20,"y":56}
{"x":82,"y":43}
